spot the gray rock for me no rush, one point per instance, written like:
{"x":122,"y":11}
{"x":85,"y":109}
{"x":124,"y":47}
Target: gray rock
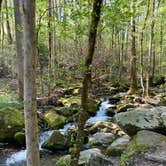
{"x":118,"y":146}
{"x":91,"y":157}
{"x":101,"y":138}
{"x":56,"y":141}
{"x":153,"y":119}
{"x":146,"y":148}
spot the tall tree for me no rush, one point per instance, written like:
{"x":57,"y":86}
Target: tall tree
{"x":151,"y":49}
{"x":133,"y":83}
{"x":10,"y":39}
{"x":141,"y":46}
{"x":0,"y":4}
{"x":31,"y":127}
{"x":19,"y":47}
{"x":83,"y":114}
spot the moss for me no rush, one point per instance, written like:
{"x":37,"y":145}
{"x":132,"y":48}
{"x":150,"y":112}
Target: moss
{"x":54,"y":120}
{"x":20,"y":138}
{"x":75,"y":101}
{"x":132,"y":150}
{"x":64,"y":161}
{"x":91,"y":144}
{"x":11,"y":121}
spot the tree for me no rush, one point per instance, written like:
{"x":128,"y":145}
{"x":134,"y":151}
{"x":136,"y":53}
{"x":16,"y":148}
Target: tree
{"x":151,"y":49}
{"x":141,"y":47}
{"x":83,"y":114}
{"x":19,"y":47}
{"x":133,"y":83}
{"x":31,"y":127}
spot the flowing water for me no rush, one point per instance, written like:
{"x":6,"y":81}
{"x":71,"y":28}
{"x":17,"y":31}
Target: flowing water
{"x":18,"y":158}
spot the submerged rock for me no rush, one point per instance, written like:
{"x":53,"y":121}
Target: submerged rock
{"x":11,"y":121}
{"x":91,"y":157}
{"x":153,"y":119}
{"x":146,"y":148}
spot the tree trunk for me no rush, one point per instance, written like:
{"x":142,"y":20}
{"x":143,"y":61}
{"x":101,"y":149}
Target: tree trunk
{"x":0,"y":4}
{"x":141,"y":47}
{"x":10,"y":39}
{"x":133,"y":84}
{"x":31,"y":127}
{"x":151,"y":47}
{"x":19,"y":47}
{"x":83,"y":114}
{"x":49,"y":46}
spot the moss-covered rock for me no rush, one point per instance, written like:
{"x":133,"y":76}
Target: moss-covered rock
{"x":11,"y":121}
{"x":91,"y":157}
{"x":75,"y":101}
{"x":57,"y":141}
{"x":20,"y":138}
{"x":54,"y":120}
{"x":141,"y":143}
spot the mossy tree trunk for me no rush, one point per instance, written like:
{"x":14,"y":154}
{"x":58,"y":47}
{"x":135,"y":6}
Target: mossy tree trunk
{"x":83,"y":114}
{"x":31,"y":125}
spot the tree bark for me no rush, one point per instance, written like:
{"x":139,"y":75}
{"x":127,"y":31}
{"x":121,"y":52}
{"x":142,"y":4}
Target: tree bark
{"x":151,"y":48}
{"x":133,"y":84}
{"x":141,"y":48}
{"x":10,"y":39}
{"x":83,"y":114}
{"x":31,"y":127}
{"x":19,"y":47}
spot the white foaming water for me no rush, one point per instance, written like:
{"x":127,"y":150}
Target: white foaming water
{"x":20,"y":156}
{"x":100,"y":116}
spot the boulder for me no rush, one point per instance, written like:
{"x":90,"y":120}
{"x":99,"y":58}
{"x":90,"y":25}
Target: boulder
{"x":153,"y":119}
{"x":101,"y":138}
{"x":75,"y":101}
{"x":91,"y":157}
{"x":11,"y":122}
{"x":54,"y":120}
{"x":56,"y":141}
{"x":118,"y":146}
{"x":146,"y":148}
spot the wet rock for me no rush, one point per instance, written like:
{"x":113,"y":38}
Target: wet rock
{"x":56,"y":141}
{"x":118,"y":146}
{"x":91,"y":157}
{"x":101,"y":138}
{"x":146,"y":148}
{"x":153,"y":119}
{"x":54,"y":120}
{"x":110,"y":111}
{"x":11,"y":121}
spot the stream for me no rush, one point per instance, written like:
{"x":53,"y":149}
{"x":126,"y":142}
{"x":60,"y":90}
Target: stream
{"x":18,"y":157}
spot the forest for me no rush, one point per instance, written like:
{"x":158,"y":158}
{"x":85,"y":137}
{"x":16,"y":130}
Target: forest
{"x":82,"y":82}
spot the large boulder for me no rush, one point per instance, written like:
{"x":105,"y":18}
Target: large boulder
{"x":91,"y":157}
{"x":56,"y":141}
{"x":146,"y":148}
{"x":11,"y":121}
{"x":54,"y":120}
{"x":153,"y":119}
